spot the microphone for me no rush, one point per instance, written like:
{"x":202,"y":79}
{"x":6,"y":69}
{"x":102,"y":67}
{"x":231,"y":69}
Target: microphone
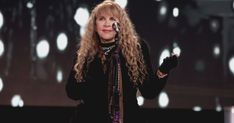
{"x":116,"y":26}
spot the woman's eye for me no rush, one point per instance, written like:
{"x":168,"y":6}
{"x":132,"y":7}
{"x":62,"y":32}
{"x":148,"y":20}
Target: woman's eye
{"x":113,"y":19}
{"x":101,"y":19}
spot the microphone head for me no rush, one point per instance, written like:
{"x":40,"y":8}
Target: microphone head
{"x":116,"y":26}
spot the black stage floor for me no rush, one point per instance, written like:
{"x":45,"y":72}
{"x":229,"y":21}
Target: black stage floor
{"x":43,"y":114}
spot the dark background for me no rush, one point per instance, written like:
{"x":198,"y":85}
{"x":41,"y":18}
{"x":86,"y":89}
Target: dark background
{"x":201,"y":79}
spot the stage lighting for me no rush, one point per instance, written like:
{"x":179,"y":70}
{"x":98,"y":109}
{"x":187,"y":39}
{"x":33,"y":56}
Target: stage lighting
{"x":1,"y":84}
{"x":140,"y":100}
{"x":162,"y":11}
{"x":215,"y":24}
{"x":1,"y":48}
{"x":197,"y":108}
{"x":163,"y":100}
{"x":176,"y":12}
{"x":176,"y":49}
{"x":82,"y":30}
{"x":165,"y":53}
{"x":216,"y":50}
{"x":231,"y":65}
{"x":218,"y":106}
{"x":42,"y":49}
{"x":1,"y":20}
{"x":81,"y":16}
{"x":17,"y":101}
{"x":233,"y":5}
{"x":61,"y":41}
{"x":59,"y":76}
{"x":229,"y":114}
{"x":122,"y":3}
{"x":29,"y":5}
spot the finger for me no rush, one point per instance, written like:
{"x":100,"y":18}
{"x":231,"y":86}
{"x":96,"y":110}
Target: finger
{"x":173,"y":54}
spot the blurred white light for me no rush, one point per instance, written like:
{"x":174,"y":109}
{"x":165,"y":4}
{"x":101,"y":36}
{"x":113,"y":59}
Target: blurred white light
{"x":17,"y":101}
{"x":62,"y":41}
{"x":163,"y":99}
{"x":140,"y":100}
{"x":158,"y":0}
{"x":29,"y":4}
{"x":218,"y":108}
{"x":165,"y":53}
{"x":1,"y":84}
{"x":81,"y":16}
{"x":82,"y":30}
{"x":214,"y":25}
{"x":34,"y":27}
{"x":216,"y":50}
{"x":231,"y":65}
{"x":42,"y":49}
{"x":197,"y":108}
{"x":233,"y":4}
{"x":1,"y":20}
{"x":163,"y":10}
{"x":176,"y":49}
{"x":59,"y":76}
{"x":200,"y":65}
{"x":21,"y":103}
{"x":122,"y":3}
{"x":232,"y":110}
{"x":176,"y":12}
{"x":1,"y":48}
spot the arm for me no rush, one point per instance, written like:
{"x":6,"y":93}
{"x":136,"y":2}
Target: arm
{"x":74,"y":89}
{"x":154,"y":81}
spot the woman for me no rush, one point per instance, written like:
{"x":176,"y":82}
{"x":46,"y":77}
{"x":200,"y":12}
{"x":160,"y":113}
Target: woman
{"x":111,"y":64}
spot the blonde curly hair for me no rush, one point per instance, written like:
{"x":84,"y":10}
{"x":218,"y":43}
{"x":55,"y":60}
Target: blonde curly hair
{"x":128,"y":41}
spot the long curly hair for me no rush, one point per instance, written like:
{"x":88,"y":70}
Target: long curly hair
{"x":128,"y":41}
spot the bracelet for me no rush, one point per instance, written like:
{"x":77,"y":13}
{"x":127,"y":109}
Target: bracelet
{"x":160,"y":74}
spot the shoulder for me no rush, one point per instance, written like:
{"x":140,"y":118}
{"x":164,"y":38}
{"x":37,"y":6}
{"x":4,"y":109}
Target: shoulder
{"x":144,"y":45}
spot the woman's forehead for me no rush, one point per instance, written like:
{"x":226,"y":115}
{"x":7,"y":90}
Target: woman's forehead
{"x":107,"y":12}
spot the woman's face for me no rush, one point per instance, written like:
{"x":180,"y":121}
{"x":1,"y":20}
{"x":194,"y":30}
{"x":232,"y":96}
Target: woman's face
{"x":104,"y":27}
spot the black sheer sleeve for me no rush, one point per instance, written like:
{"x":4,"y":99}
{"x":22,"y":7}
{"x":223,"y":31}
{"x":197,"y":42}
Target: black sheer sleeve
{"x":75,"y":90}
{"x":152,"y":85}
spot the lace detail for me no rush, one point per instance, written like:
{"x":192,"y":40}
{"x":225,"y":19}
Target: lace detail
{"x":107,"y":50}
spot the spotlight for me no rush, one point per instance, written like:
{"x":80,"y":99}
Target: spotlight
{"x":163,"y":100}
{"x":2,"y":48}
{"x":62,"y":41}
{"x":233,"y":4}
{"x":122,"y":3}
{"x":215,"y":24}
{"x":231,"y":65}
{"x":1,"y":84}
{"x":163,"y":11}
{"x":42,"y":49}
{"x":81,"y":16}
{"x":1,"y":20}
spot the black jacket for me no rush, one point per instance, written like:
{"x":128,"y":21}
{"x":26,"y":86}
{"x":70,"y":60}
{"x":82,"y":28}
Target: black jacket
{"x":93,"y":91}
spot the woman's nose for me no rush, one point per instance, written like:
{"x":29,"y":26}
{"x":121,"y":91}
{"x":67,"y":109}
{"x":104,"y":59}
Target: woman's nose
{"x":107,"y":23}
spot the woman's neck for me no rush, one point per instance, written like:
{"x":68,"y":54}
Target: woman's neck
{"x":107,"y":41}
{"x":107,"y":47}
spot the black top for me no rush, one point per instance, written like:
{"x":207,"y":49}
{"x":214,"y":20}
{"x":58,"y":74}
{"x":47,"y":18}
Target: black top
{"x":94,"y":90}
